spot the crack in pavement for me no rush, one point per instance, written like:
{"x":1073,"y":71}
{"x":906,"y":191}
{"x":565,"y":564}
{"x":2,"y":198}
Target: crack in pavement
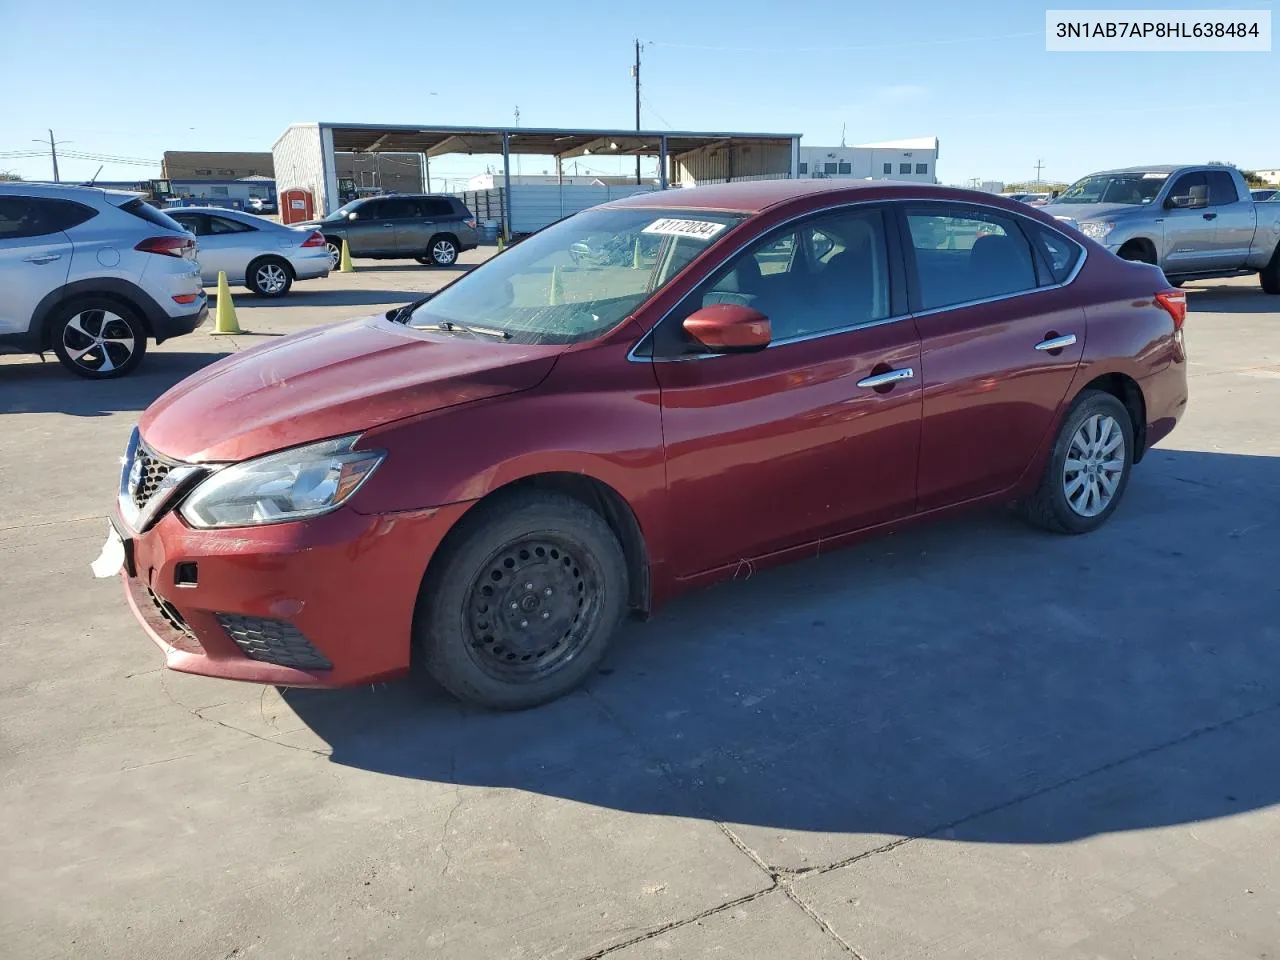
{"x":783,"y":880}
{"x":248,"y":733}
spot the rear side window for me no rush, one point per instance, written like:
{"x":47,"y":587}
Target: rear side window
{"x":1059,"y":254}
{"x":436,"y":207}
{"x":219,"y":225}
{"x":39,"y":216}
{"x":967,"y":254}
{"x":1222,"y":189}
{"x":145,"y":211}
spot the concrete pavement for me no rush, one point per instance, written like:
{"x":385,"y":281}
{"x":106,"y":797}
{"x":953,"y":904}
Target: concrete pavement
{"x":970,"y":739}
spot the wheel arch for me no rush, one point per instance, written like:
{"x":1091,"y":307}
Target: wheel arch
{"x":122,"y":292}
{"x":1144,"y":244}
{"x":595,"y":494}
{"x":444,"y":235}
{"x":262,"y":257}
{"x":1127,"y":390}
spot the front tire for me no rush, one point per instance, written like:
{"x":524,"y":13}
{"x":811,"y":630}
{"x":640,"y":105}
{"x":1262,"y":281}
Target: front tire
{"x":97,"y":338}
{"x":333,"y":246}
{"x":521,"y":605}
{"x":1088,"y":469}
{"x":269,"y":277}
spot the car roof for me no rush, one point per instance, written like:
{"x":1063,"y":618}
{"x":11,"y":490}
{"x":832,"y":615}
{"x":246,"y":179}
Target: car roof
{"x":1152,"y":168}
{"x":220,"y":211}
{"x":65,"y":191}
{"x":756,"y":196}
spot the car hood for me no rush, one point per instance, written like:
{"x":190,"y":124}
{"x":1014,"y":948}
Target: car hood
{"x":1080,"y":212}
{"x":330,"y":382}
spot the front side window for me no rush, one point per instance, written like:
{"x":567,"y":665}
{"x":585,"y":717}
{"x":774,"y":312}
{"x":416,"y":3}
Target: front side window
{"x":19,"y":217}
{"x":219,"y":225}
{"x":1134,"y":189}
{"x":830,"y":274}
{"x":966,"y":255}
{"x":576,"y":279}
{"x":399,"y":208}
{"x":196,"y":223}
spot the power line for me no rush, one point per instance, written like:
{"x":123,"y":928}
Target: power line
{"x":867,"y":46}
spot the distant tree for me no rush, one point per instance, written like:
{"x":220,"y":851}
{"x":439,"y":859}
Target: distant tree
{"x":1252,"y":178}
{"x":9,"y":175}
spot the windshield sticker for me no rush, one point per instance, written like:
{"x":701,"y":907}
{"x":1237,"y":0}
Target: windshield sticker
{"x":1155,"y":176}
{"x":697,"y":229}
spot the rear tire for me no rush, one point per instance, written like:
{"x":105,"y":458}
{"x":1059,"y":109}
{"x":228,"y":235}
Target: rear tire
{"x":1084,"y":480}
{"x":442,"y":251}
{"x":269,"y":277}
{"x":98,"y":338}
{"x":334,"y":247}
{"x":520,"y":606}
{"x":1269,"y":276}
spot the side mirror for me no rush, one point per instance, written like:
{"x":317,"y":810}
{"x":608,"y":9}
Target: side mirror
{"x":729,"y":328}
{"x":353,"y":215}
{"x":1195,"y":200}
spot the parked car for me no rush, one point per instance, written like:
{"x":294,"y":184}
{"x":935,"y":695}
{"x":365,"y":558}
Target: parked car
{"x":432,"y":229}
{"x":261,"y":205}
{"x":1193,"y":222}
{"x":264,"y":256}
{"x":484,"y":482}
{"x":1262,"y":196}
{"x":92,"y":274}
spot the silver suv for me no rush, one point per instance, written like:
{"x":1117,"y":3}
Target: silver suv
{"x":92,"y":274}
{"x":430,"y":228}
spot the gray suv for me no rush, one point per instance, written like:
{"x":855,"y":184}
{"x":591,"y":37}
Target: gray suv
{"x":92,"y":274}
{"x":430,"y":228}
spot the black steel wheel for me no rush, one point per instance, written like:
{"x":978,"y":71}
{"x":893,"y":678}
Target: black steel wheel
{"x":521,"y":604}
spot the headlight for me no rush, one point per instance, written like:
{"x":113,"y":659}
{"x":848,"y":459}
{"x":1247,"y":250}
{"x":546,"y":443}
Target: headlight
{"x":302,"y":482}
{"x":1096,"y":229}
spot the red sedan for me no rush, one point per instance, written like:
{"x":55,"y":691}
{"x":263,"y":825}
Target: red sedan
{"x":485,"y":482}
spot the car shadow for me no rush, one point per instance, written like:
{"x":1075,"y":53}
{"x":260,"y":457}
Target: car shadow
{"x":382,"y":266}
{"x":36,"y":387}
{"x":1230,"y":298}
{"x":918,"y":684}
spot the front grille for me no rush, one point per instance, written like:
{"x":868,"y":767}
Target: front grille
{"x":170,"y":613}
{"x":273,"y":641}
{"x":151,"y":471}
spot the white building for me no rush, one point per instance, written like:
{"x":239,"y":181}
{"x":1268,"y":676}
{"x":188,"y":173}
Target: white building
{"x":913,"y":159}
{"x":1269,"y":176}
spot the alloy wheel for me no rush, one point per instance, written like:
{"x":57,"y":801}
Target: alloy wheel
{"x":444,"y":252}
{"x":533,"y":607}
{"x":271,"y":278}
{"x":335,"y":254}
{"x":98,"y":341}
{"x":1094,"y":466}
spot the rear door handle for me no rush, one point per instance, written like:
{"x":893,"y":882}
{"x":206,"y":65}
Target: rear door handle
{"x":1056,"y":343}
{"x":1210,"y":216}
{"x":44,"y":258}
{"x":886,"y":378}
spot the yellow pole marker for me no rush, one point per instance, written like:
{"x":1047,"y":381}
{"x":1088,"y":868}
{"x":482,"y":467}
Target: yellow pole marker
{"x":635,"y":256}
{"x":224,"y":320}
{"x":557,"y":288}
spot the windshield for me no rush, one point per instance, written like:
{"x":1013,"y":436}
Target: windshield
{"x":1132,"y":188}
{"x":342,"y":211}
{"x":577,"y":278}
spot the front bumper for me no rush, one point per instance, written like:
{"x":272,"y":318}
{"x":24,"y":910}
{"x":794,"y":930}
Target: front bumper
{"x":343,"y":585}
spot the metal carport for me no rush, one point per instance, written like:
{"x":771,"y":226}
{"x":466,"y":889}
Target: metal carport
{"x":778,"y":155}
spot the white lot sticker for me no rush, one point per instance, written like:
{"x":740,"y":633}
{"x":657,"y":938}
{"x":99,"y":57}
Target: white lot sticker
{"x":1155,"y":176}
{"x":698,"y":229}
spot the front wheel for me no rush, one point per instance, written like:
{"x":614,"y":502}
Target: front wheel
{"x":522,"y":604}
{"x":98,"y":339}
{"x":1088,"y":468}
{"x":334,"y":248}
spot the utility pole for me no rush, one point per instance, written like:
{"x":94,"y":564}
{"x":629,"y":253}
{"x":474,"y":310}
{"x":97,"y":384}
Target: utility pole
{"x":635,"y":72}
{"x":53,"y":151}
{"x":517,"y":124}
{"x":1039,"y":167}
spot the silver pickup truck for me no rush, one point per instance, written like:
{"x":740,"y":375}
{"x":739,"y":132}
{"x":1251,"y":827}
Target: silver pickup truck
{"x":1192,"y":221}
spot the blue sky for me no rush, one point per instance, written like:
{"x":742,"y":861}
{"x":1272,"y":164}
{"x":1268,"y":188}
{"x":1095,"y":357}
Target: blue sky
{"x":975,"y":75}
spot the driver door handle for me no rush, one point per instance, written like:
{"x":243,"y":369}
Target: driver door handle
{"x":886,"y":378}
{"x":1210,"y":216}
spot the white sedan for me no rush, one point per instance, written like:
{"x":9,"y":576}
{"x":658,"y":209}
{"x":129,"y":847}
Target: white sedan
{"x":265,"y":256}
